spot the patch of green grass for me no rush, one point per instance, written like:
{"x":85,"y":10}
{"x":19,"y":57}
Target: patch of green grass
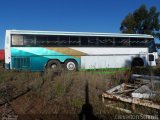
{"x":108,"y":69}
{"x":77,"y":103}
{"x":105,"y":72}
{"x":60,"y":90}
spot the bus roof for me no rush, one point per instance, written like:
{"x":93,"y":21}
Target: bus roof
{"x":34,"y":32}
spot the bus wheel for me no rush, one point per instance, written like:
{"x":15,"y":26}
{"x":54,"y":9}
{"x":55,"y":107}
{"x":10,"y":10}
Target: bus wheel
{"x":54,"y":65}
{"x":137,"y":62}
{"x":71,"y":65}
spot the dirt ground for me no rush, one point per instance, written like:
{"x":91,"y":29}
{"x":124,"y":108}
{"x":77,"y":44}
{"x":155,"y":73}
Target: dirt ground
{"x":58,"y":95}
{"x":66,"y":95}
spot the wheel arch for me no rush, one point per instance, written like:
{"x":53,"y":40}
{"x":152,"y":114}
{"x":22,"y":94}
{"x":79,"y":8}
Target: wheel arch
{"x":72,"y":59}
{"x":137,"y":61}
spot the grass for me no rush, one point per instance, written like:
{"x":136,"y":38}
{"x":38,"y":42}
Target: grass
{"x":63,"y":93}
{"x":105,"y":70}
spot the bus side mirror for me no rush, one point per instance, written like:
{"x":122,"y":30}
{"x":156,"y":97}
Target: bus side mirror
{"x":151,"y":57}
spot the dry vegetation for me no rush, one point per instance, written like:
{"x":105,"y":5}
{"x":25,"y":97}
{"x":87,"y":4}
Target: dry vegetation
{"x":158,"y":61}
{"x":59,"y":95}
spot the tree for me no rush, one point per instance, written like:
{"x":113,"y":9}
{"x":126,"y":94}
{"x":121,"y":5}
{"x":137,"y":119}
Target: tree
{"x":142,"y":21}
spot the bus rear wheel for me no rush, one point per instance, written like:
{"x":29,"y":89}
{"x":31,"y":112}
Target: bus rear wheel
{"x":137,"y":62}
{"x":71,"y":65}
{"x":54,"y":65}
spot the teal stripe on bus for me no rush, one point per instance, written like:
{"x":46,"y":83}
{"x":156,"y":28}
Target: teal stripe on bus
{"x":38,"y":56}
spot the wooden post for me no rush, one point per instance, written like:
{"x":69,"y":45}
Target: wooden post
{"x":151,"y":79}
{"x":133,"y":107}
{"x":102,"y":98}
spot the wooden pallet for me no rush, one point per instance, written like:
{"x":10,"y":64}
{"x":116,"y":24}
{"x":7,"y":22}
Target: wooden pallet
{"x":124,"y":93}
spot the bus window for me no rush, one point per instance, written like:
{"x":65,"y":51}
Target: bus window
{"x":29,"y":40}
{"x":52,"y":41}
{"x":92,"y":41}
{"x":17,"y":40}
{"x":151,"y":45}
{"x":84,"y":41}
{"x":105,"y":41}
{"x":41,"y":40}
{"x":137,"y":42}
{"x":63,"y":40}
{"x":120,"y":42}
{"x":74,"y":41}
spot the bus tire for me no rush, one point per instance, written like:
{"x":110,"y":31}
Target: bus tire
{"x":71,"y":65}
{"x":54,"y":65}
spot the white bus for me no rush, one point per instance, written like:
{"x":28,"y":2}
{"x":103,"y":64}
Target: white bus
{"x":38,"y":50}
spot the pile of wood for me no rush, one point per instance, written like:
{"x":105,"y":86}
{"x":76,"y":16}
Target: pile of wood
{"x":138,"y":93}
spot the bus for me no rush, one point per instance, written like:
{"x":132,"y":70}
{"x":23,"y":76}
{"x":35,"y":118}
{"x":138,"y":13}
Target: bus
{"x":41,"y":50}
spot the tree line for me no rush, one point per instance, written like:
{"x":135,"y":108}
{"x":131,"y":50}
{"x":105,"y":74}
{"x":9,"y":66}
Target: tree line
{"x":142,"y":21}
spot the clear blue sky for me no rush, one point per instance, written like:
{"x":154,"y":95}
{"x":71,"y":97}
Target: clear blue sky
{"x":66,"y":15}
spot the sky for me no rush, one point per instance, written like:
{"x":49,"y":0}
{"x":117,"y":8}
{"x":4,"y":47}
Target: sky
{"x":67,"y":15}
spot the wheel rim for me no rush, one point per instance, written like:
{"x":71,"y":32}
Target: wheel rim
{"x":71,"y":66}
{"x":53,"y":66}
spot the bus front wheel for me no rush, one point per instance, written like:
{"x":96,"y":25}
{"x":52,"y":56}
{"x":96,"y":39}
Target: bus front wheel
{"x":71,"y":65}
{"x":54,"y":65}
